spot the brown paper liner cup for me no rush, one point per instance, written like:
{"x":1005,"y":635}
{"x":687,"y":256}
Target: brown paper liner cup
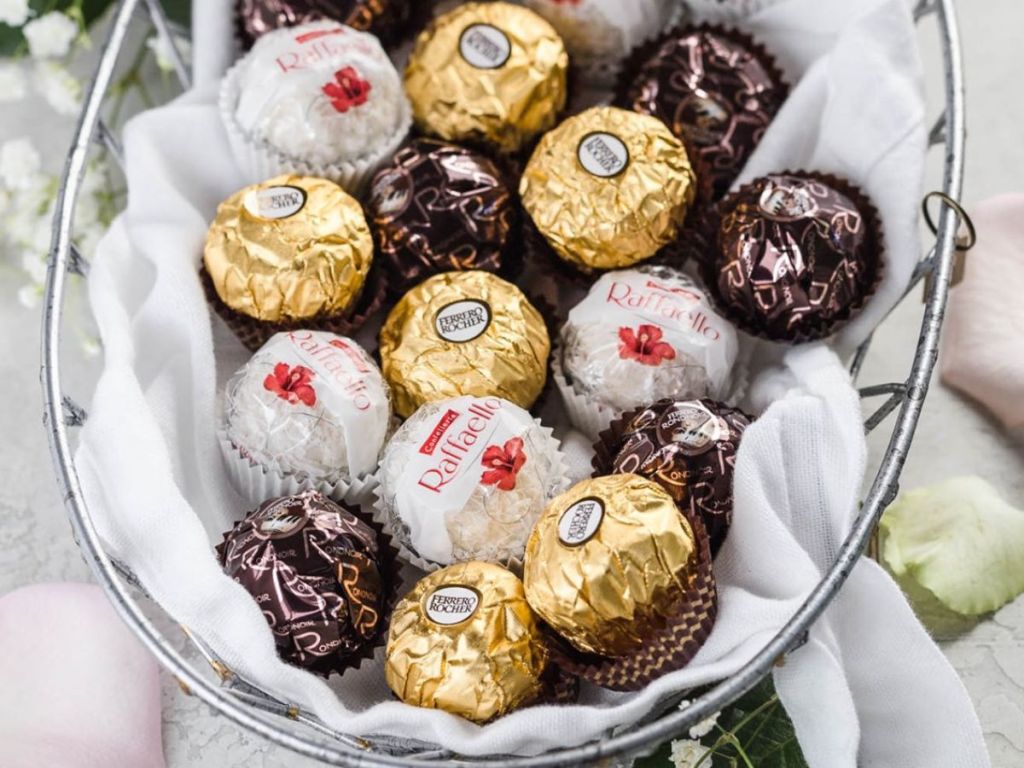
{"x":669,"y":647}
{"x":255,"y":333}
{"x":823,"y":328}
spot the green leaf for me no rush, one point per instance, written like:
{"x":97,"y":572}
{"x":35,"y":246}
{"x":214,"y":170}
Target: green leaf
{"x":756,"y":730}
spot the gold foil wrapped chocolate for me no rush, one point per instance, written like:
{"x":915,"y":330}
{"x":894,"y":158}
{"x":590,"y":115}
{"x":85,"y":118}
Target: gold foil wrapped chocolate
{"x":607,"y":562}
{"x":493,"y":73}
{"x":464,"y":333}
{"x":292,"y":248}
{"x":608,"y":188}
{"x":465,"y":640}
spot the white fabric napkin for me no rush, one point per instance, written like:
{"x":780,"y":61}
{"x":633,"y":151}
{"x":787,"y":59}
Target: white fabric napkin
{"x":869,"y":678}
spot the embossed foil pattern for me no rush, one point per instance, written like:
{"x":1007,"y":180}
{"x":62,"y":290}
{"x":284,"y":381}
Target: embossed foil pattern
{"x":292,"y":248}
{"x":465,"y":640}
{"x":607,"y":561}
{"x":312,"y":566}
{"x":381,"y":17}
{"x":689,"y":449}
{"x":439,"y":207}
{"x":718,"y":91}
{"x":464,"y":333}
{"x":795,"y":256}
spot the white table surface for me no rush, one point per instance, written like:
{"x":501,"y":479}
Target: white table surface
{"x":953,"y":438}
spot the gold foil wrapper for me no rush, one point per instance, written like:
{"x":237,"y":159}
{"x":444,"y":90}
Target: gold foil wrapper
{"x":607,"y":562}
{"x":608,"y":188}
{"x":464,"y":333}
{"x":292,"y":248}
{"x":493,"y":73}
{"x":465,"y":640}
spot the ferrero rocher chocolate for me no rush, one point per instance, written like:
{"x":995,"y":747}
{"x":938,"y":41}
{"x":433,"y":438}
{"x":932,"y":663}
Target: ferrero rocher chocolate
{"x":608,"y":188}
{"x":290,"y":249}
{"x":607,"y":561}
{"x":718,"y":91}
{"x":384,"y":18}
{"x":796,"y":256}
{"x":315,"y":570}
{"x":464,"y":640}
{"x":688,"y":447}
{"x":489,"y":73}
{"x":464,"y":333}
{"x":439,"y":207}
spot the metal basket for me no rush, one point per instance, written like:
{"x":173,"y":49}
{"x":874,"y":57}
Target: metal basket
{"x":286,"y":725}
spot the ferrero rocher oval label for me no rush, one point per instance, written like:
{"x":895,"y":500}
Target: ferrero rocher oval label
{"x":465,"y":640}
{"x":464,"y":333}
{"x":608,"y":188}
{"x":493,"y":73}
{"x":600,"y":603}
{"x":292,"y":248}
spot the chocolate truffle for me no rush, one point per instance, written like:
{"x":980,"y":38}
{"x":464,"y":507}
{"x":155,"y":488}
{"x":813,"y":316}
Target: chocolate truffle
{"x":644,"y":334}
{"x":320,"y":99}
{"x":607,"y":562}
{"x":600,"y":33}
{"x":290,"y":249}
{"x":488,"y":73}
{"x":796,"y":256}
{"x":314,"y":568}
{"x":718,"y":91}
{"x":310,"y":409}
{"x":384,"y":18}
{"x":689,"y":448}
{"x":608,"y":188}
{"x":466,"y":479}
{"x":465,"y":641}
{"x":464,"y":333}
{"x":437,"y":208}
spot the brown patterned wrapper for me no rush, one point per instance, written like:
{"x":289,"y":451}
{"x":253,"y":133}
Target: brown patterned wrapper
{"x":688,"y":447}
{"x":255,"y":333}
{"x":326,"y":578}
{"x":667,"y":648}
{"x":387,"y":19}
{"x":795,"y":255}
{"x":439,"y":207}
{"x":717,"y":89}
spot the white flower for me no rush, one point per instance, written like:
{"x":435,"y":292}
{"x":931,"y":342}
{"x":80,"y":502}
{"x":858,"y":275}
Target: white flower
{"x":58,"y":86}
{"x":704,"y":727}
{"x":19,"y":163}
{"x":51,"y":35}
{"x":13,"y":13}
{"x":162,"y":51}
{"x":34,"y":264}
{"x":687,"y":754}
{"x":12,"y":82}
{"x":29,"y":295}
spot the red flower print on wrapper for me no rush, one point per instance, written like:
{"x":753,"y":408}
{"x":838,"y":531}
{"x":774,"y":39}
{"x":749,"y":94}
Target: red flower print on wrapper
{"x":348,"y":89}
{"x":292,"y":384}
{"x":503,"y":464}
{"x":644,"y":345}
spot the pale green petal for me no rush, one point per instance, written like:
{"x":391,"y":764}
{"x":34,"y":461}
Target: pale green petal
{"x":960,"y":541}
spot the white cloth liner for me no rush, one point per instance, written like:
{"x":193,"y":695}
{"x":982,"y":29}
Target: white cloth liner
{"x":869,"y":689}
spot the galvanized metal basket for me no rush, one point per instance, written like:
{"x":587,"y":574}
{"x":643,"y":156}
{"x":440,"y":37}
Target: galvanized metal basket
{"x":279,"y":722}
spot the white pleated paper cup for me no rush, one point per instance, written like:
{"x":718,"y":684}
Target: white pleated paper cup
{"x":515,"y":564}
{"x":256,"y":483}
{"x":585,"y":413}
{"x":260,"y":161}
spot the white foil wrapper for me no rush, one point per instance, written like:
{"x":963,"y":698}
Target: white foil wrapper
{"x":309,"y":410}
{"x":641,"y":335}
{"x":466,"y":479}
{"x":599,"y":34}
{"x":320,"y":99}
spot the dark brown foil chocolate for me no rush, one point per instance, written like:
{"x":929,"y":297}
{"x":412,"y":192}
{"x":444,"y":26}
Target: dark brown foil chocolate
{"x":689,"y":448}
{"x":716,"y":90}
{"x":315,"y":570}
{"x":440,"y":208}
{"x":384,"y":18}
{"x":796,"y":256}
